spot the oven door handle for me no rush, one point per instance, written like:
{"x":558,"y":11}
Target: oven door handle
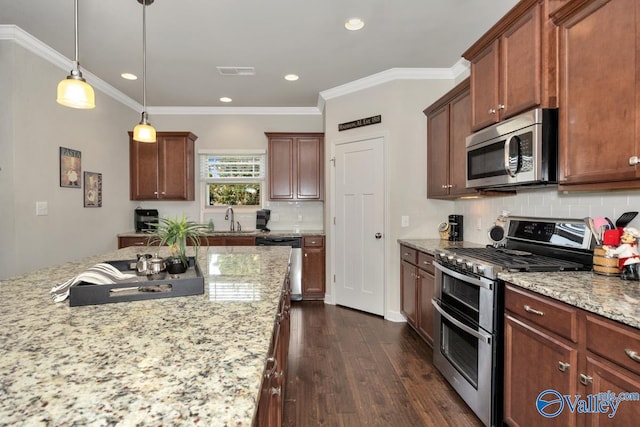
{"x":479,"y":335}
{"x":483,"y":283}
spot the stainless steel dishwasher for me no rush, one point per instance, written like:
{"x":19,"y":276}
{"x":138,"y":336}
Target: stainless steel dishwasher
{"x":296,"y":260}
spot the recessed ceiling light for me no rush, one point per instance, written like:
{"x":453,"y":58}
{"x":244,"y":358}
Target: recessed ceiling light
{"x":129,"y":76}
{"x":226,"y":99}
{"x":291,"y":77}
{"x":354,"y":24}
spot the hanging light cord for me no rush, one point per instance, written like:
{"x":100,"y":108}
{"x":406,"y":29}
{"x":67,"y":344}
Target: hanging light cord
{"x":144,"y":58}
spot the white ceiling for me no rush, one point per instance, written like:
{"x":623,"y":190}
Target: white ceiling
{"x":188,"y":39}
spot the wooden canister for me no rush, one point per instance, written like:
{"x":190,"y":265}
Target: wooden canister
{"x":603,"y":264}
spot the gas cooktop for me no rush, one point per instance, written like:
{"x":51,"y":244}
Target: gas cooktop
{"x":532,"y":245}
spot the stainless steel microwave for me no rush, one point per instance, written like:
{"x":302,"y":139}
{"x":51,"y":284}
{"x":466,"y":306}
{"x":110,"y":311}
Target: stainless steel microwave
{"x":522,"y":150}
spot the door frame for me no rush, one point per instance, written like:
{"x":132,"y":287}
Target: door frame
{"x":330,"y":298}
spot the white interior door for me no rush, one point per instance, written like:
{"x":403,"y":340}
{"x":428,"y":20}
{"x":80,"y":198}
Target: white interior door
{"x":359,"y":223}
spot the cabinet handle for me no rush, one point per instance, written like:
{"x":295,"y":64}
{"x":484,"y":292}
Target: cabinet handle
{"x":276,"y":391}
{"x":305,"y":255}
{"x":155,"y":192}
{"x":313,"y":242}
{"x":533,"y":311}
{"x":405,"y":254}
{"x":444,"y":186}
{"x":632,"y":355}
{"x":563,"y":366}
{"x":500,"y":106}
{"x":634,"y":160}
{"x":585,"y":379}
{"x":492,"y":110}
{"x":138,"y":244}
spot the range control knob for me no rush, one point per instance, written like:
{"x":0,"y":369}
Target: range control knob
{"x":469,"y":265}
{"x":480,"y":269}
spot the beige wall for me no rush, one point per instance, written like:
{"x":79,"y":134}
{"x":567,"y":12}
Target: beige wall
{"x":404,"y":130}
{"x":36,"y":126}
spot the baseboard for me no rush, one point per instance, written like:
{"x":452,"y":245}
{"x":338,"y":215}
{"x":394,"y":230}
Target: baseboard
{"x":394,"y":316}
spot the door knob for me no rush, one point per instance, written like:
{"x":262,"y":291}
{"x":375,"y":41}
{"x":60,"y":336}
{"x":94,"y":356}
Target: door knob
{"x":378,"y":235}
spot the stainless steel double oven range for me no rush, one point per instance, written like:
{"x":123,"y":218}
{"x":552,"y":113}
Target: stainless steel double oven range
{"x":469,"y":302}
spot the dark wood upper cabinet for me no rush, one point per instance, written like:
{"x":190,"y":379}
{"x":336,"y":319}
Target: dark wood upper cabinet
{"x":296,"y":166}
{"x":599,"y":94}
{"x":513,"y":65}
{"x":448,"y":125}
{"x":164,"y":170}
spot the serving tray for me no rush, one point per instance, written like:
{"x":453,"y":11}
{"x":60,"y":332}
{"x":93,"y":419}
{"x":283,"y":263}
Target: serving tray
{"x":188,"y":283}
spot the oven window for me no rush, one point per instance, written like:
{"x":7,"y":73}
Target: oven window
{"x":462,"y":296}
{"x":461,"y":349}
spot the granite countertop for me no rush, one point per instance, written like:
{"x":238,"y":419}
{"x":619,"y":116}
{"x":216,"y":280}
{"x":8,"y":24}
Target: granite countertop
{"x":195,"y":360}
{"x":608,"y":296}
{"x":248,"y":233}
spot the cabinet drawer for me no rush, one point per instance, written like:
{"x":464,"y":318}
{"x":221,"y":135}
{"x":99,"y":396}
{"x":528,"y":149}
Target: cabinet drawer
{"x":617,"y":343}
{"x":313,"y":241}
{"x":408,"y":254}
{"x":554,"y":316}
{"x":425,"y":262}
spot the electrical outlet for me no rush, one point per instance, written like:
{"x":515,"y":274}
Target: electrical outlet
{"x":299,"y":218}
{"x":405,"y":221}
{"x":42,"y":208}
{"x":275,"y":217}
{"x":479,"y":224}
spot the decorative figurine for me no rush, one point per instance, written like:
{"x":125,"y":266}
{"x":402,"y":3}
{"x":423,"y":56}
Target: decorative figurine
{"x":628,"y":254}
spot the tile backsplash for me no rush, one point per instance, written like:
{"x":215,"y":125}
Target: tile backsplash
{"x":480,"y":214}
{"x":285,"y":216}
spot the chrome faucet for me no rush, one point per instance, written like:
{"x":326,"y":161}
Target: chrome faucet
{"x":230,"y":218}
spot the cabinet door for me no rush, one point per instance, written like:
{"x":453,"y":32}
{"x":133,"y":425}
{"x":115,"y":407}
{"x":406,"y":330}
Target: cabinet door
{"x":520,"y":65}
{"x":408,"y":292}
{"x":313,"y":273}
{"x":438,"y":153}
{"x":281,"y":173}
{"x":460,"y":128}
{"x":485,"y":69}
{"x":426,"y":284}
{"x":309,"y":170}
{"x":176,"y":168}
{"x":239,"y":241}
{"x":599,"y":80}
{"x":603,"y":377}
{"x":143,"y":166}
{"x":532,"y":365}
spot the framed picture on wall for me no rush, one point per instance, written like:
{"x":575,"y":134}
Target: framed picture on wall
{"x":70,"y":168}
{"x":92,"y":190}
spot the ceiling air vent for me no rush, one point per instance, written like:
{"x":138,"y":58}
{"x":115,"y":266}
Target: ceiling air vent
{"x":237,"y":71}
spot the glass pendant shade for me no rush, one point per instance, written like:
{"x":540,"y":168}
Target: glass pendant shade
{"x":76,"y":93}
{"x":144,"y":132}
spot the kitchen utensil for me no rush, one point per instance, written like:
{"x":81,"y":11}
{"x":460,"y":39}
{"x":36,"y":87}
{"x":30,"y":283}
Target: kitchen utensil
{"x":611,"y":224}
{"x":592,"y":228}
{"x":624,"y":219}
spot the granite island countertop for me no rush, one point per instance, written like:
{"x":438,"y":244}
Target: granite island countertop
{"x":195,"y":360}
{"x":608,"y":296}
{"x":248,"y":233}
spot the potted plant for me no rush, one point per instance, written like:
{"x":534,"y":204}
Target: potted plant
{"x":177,"y":234}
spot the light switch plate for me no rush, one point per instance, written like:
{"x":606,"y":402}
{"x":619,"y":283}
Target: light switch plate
{"x":42,"y":208}
{"x":405,"y":221}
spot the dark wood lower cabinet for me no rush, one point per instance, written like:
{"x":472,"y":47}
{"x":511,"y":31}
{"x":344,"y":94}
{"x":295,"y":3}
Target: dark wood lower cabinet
{"x":554,"y":346}
{"x":417,"y":286}
{"x":271,"y":401}
{"x":313,"y":268}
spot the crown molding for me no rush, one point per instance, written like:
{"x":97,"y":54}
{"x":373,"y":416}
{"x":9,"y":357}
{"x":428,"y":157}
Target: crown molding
{"x":252,"y":111}
{"x":35,"y":46}
{"x":32,"y":44}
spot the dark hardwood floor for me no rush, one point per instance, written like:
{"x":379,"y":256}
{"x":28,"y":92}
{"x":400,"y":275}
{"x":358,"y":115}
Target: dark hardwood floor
{"x":348,"y":368}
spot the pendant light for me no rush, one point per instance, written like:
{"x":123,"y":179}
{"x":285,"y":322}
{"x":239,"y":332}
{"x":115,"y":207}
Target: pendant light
{"x":74,"y":91}
{"x":144,"y":132}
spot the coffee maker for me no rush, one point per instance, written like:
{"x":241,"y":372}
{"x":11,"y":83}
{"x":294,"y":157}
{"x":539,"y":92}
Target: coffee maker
{"x":262,"y":218}
{"x":142,"y":219}
{"x":455,"y":228}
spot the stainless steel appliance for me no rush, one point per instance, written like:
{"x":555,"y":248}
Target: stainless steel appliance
{"x":142,"y":218}
{"x":519,"y":151}
{"x":469,"y":305}
{"x":296,"y":260}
